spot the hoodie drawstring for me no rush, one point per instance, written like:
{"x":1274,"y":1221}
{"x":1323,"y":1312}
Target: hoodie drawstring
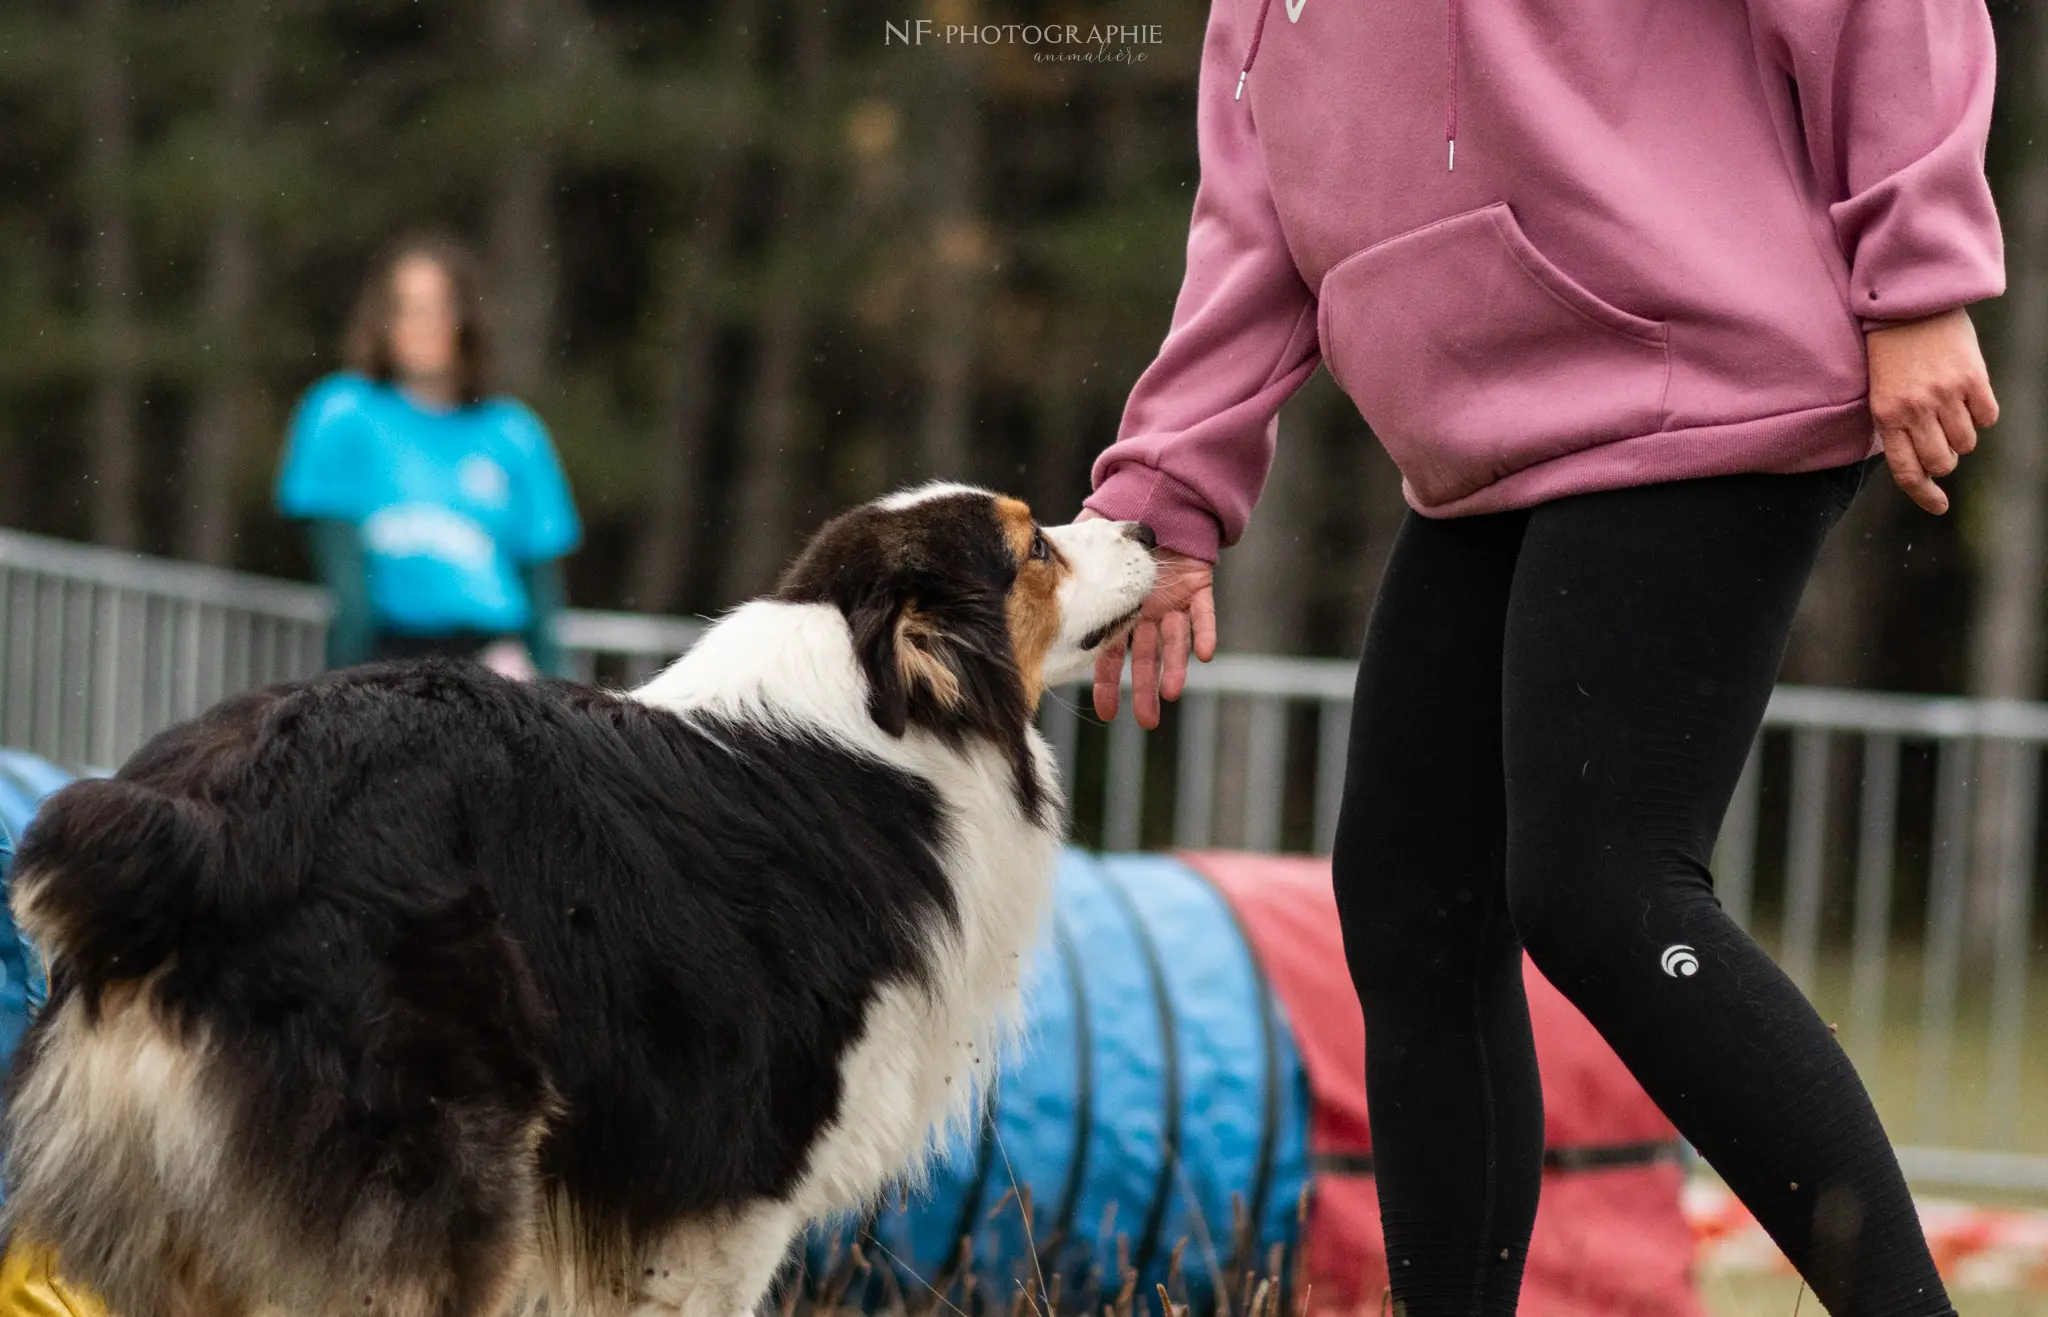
{"x":1451,"y":77}
{"x":1452,"y":7}
{"x":1250,"y":56}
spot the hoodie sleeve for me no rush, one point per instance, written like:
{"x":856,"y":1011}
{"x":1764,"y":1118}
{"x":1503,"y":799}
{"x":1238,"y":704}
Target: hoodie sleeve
{"x":1896,"y":100}
{"x":1197,"y":435}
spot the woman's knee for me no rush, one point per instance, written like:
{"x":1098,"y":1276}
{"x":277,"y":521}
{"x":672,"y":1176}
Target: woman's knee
{"x":1582,"y":911}
{"x":1548,"y":921}
{"x":1417,"y":922}
{"x":1361,"y":876}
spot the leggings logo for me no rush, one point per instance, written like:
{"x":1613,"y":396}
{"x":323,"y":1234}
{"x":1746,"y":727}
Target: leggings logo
{"x":1678,"y":961}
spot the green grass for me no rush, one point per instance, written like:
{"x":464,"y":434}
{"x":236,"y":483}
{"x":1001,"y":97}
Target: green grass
{"x":1780,"y":1296}
{"x":1894,"y":1062}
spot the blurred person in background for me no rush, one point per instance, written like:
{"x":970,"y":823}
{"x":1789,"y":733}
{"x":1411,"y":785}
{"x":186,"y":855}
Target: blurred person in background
{"x":1634,"y":295}
{"x":436,"y":513}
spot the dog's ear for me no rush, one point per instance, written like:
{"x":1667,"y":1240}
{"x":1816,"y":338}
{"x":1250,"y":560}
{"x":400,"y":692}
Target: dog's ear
{"x":906,"y":656}
{"x":925,"y":658}
{"x":874,"y":624}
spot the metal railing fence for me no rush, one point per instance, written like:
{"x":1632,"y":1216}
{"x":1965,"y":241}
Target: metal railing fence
{"x":1855,"y":847}
{"x":101,"y":649}
{"x":623,"y":649}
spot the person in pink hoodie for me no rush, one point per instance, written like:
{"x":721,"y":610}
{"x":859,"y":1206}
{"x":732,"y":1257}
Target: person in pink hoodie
{"x":1634,"y":295}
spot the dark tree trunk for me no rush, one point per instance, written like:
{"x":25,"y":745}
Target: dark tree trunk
{"x":661,"y":562}
{"x":1262,"y":602}
{"x":1263,"y":581}
{"x":1839,"y":614}
{"x":776,"y":448}
{"x":224,"y":406}
{"x":1057,"y":479}
{"x":524,"y":271}
{"x":777,"y":445}
{"x":113,"y":435}
{"x":2006,"y":654}
{"x":2006,"y":649}
{"x":959,"y":257}
{"x":531,"y":42}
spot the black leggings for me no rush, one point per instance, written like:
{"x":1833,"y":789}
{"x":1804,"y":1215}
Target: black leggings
{"x":1553,"y":709}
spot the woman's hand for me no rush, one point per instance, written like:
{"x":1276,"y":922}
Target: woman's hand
{"x":1929,"y":395}
{"x":1180,"y":614}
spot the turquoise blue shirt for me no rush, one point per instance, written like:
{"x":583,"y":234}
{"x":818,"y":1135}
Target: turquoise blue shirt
{"x":449,"y":503}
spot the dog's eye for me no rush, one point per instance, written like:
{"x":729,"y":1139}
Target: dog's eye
{"x":1040,"y":550}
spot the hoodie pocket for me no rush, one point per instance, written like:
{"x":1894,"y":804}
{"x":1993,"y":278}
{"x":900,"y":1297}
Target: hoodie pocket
{"x":1473,"y":357}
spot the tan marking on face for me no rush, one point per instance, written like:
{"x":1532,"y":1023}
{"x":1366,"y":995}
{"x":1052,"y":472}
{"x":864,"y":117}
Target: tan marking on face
{"x":918,"y":661}
{"x":1018,"y":526}
{"x":1034,"y":604}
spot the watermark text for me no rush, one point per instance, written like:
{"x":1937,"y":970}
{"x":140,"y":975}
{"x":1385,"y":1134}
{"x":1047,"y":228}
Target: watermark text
{"x":919,"y":31}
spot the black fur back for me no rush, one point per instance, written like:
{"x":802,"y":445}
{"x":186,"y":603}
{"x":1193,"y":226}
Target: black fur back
{"x":411,"y":901}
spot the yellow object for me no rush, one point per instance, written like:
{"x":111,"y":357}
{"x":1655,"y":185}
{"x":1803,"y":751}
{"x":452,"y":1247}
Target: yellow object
{"x":29,"y":1287}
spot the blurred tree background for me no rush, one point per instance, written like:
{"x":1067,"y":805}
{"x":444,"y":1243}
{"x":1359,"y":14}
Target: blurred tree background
{"x":753,"y":262}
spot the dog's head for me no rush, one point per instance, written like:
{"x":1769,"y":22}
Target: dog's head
{"x":963,"y":609}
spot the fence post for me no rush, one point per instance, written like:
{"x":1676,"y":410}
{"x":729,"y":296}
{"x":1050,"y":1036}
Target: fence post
{"x":1194,"y":785}
{"x":1333,"y":745}
{"x":1060,"y":717}
{"x":2015,"y":938}
{"x":1947,"y":870}
{"x":106,"y":702}
{"x":1123,"y":812}
{"x":1265,"y":776}
{"x":77,"y":676}
{"x":1877,"y":832}
{"x":1805,"y":844}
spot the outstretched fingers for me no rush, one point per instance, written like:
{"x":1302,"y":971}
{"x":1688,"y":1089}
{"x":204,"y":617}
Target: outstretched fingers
{"x":1109,"y":679}
{"x":1145,"y":672}
{"x":1175,"y":635}
{"x":1203,"y":608}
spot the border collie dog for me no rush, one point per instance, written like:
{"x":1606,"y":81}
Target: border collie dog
{"x":412,"y":991}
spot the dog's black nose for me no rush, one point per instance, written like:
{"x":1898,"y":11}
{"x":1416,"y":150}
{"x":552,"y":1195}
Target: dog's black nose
{"x":1142,"y":533}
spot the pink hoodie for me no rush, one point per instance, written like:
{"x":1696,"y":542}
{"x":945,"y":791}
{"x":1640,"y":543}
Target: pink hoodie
{"x":1551,"y":246}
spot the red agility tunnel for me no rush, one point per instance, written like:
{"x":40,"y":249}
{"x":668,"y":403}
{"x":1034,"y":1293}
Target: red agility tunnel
{"x":1611,"y":1238}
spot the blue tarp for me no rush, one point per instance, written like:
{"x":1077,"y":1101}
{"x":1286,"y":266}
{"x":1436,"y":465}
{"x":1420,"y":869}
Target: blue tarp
{"x":1156,"y":1097}
{"x":24,"y":781}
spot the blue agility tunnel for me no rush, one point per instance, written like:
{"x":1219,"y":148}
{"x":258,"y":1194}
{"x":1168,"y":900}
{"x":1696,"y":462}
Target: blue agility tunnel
{"x":24,"y":781}
{"x":1155,"y":1107}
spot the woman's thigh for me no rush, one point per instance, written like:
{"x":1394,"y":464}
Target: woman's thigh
{"x":1644,"y":633}
{"x":1421,"y":833}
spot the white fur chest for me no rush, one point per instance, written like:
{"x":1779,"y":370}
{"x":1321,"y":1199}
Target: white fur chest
{"x":925,"y":1051}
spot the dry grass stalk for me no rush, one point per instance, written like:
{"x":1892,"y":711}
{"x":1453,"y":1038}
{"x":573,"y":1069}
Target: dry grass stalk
{"x":1259,"y":1283}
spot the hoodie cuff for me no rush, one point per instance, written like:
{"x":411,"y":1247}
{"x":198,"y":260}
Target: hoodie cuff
{"x":1870,"y":323}
{"x":1176,"y":513}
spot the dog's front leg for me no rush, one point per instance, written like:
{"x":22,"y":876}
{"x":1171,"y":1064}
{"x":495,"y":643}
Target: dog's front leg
{"x":716,"y":1266}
